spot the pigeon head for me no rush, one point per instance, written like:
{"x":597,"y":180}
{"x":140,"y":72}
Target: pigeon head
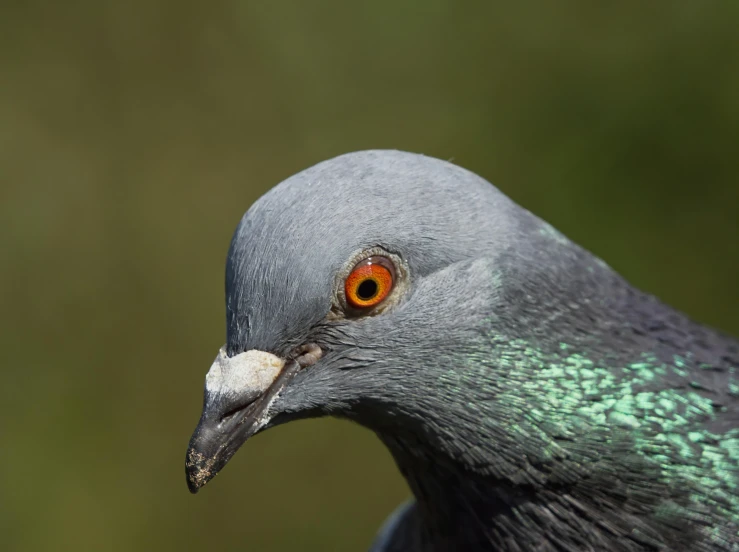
{"x":528,"y":393}
{"x":363,"y":287}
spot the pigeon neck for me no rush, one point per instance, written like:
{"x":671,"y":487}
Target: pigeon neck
{"x":456,"y":509}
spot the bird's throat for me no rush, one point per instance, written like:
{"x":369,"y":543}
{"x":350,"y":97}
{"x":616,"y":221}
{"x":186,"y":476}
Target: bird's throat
{"x":456,"y":509}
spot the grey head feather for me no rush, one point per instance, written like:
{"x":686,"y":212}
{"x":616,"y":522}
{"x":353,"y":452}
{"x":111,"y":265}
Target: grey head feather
{"x":531,"y":397}
{"x":291,"y":243}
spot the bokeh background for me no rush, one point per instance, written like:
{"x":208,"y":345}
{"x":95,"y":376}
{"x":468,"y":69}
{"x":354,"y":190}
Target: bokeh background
{"x":133,"y":135}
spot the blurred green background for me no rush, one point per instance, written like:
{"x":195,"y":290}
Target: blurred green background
{"x":133,"y":135}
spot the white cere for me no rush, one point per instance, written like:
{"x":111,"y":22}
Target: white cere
{"x":248,"y":373}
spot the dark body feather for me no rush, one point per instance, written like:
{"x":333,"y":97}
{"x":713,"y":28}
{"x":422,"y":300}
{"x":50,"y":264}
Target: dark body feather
{"x":597,"y":418}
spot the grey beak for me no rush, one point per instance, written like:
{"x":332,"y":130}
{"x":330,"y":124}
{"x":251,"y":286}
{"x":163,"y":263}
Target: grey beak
{"x":230,"y":416}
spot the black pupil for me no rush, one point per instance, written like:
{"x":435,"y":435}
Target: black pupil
{"x":367,"y":289}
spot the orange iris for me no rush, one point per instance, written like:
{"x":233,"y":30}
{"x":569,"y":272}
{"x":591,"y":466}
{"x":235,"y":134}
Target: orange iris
{"x":369,"y":283}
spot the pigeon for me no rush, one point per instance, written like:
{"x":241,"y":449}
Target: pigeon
{"x":531,"y":397}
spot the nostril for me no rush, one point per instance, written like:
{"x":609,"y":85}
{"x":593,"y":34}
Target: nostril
{"x":234,"y":407}
{"x":228,"y":416}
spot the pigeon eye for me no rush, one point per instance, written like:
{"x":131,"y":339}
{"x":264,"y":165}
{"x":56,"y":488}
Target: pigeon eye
{"x":369,"y":282}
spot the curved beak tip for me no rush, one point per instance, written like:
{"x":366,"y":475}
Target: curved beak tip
{"x":199,"y":470}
